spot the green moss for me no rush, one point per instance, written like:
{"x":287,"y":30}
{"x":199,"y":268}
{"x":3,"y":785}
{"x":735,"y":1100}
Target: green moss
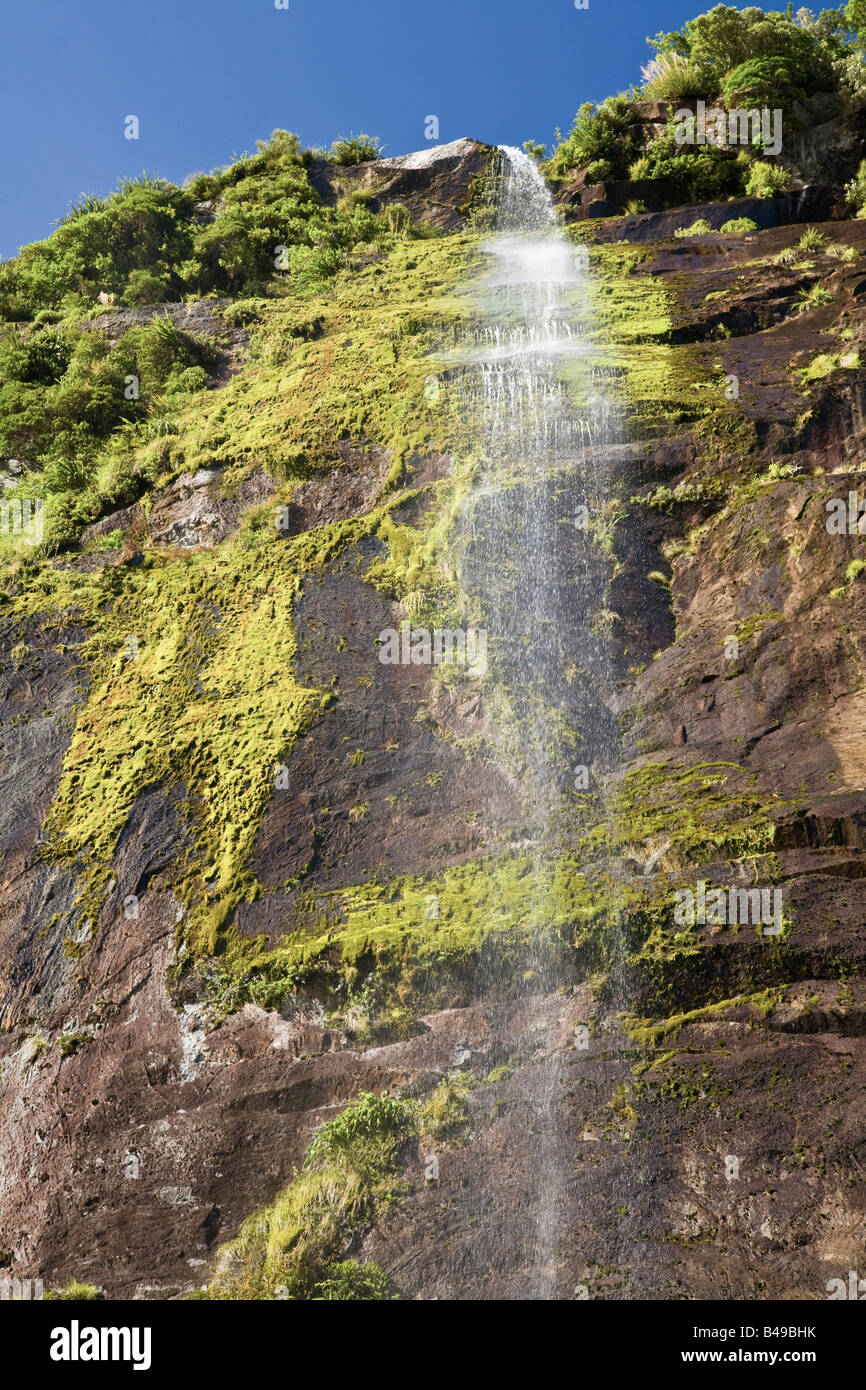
{"x":653,"y":1035}
{"x":756,"y":623}
{"x":190,"y":658}
{"x":649,"y":381}
{"x":497,"y":1074}
{"x":507,"y":897}
{"x":685,"y":1084}
{"x":706,"y":812}
{"x":444,"y":1116}
{"x":190,"y":661}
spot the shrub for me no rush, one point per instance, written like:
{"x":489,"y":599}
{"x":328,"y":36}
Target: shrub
{"x":813,"y":298}
{"x":671,"y":76}
{"x":292,"y":1247}
{"x":640,"y":168}
{"x":701,"y":174}
{"x":737,"y":225}
{"x":74,"y":1293}
{"x":398,"y":219}
{"x":855,"y":191}
{"x":354,"y":149}
{"x":598,"y":133}
{"x":698,"y":228}
{"x":38,"y":360}
{"x":635,"y":205}
{"x":145,"y":227}
{"x":811,"y":240}
{"x":146,"y":243}
{"x":364,"y":1135}
{"x":843,"y":253}
{"x":767,"y":81}
{"x":766,"y":180}
{"x":724,"y":39}
{"x":445,"y":1113}
{"x":144,"y":287}
{"x":598,"y":171}
{"x":348,"y":1280}
{"x":62,"y":395}
{"x":787,"y":257}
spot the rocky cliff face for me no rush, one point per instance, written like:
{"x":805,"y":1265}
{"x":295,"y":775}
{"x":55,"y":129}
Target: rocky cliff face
{"x":250,"y":872}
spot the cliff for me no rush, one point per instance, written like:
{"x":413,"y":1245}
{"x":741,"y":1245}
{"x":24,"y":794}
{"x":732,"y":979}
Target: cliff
{"x":251,"y":873}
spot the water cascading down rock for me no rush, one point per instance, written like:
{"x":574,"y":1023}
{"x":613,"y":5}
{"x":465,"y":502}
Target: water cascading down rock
{"x":531,"y":567}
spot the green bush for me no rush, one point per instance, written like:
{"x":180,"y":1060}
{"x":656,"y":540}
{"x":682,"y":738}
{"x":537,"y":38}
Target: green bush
{"x":701,"y":174}
{"x":671,"y":77}
{"x":698,"y":228}
{"x":350,"y":1281}
{"x":74,"y":1293}
{"x":144,"y":287}
{"x":815,"y":298}
{"x":726,"y":55}
{"x":365,"y":1135}
{"x":843,"y":253}
{"x":738,"y":225}
{"x":812,"y":240}
{"x":38,"y":360}
{"x":762,"y":82}
{"x":724,"y":39}
{"x":147,"y":244}
{"x":855,"y":191}
{"x":354,"y":149}
{"x":62,"y":396}
{"x":598,"y":171}
{"x":445,"y":1113}
{"x":292,"y":1248}
{"x":602,"y":133}
{"x":144,"y":227}
{"x":766,"y":180}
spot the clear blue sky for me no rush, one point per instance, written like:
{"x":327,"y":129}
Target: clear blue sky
{"x":208,"y":77}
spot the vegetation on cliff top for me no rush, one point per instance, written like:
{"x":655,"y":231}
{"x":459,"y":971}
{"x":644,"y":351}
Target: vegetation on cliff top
{"x":222,"y":233}
{"x":730,"y":58}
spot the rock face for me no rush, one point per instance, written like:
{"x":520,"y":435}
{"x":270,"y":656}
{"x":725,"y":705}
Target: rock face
{"x":696,"y":1098}
{"x":435,"y":185}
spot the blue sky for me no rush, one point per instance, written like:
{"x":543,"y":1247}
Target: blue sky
{"x":208,"y":77}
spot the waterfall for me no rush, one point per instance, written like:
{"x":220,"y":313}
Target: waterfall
{"x":536,"y":577}
{"x":540,"y":418}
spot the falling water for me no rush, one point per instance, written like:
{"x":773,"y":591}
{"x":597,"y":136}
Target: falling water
{"x":532,"y":569}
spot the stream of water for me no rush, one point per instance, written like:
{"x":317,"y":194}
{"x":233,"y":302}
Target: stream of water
{"x":534,"y":571}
